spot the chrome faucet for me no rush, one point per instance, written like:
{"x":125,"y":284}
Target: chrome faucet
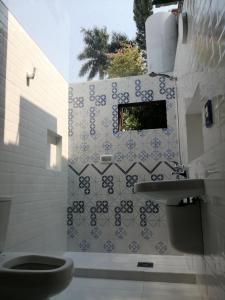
{"x":180,"y":170}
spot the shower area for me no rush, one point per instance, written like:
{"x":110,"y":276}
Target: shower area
{"x":113,"y":232}
{"x":104,"y":214}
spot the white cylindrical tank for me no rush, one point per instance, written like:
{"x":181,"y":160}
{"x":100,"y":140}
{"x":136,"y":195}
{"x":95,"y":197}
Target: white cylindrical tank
{"x":5,"y":203}
{"x":161,"y":42}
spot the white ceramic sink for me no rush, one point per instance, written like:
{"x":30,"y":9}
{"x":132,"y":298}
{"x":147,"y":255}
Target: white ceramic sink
{"x":172,"y":191}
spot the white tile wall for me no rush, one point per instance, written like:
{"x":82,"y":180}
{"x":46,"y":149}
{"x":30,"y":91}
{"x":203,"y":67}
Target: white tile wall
{"x":200,"y":67}
{"x":37,"y":218}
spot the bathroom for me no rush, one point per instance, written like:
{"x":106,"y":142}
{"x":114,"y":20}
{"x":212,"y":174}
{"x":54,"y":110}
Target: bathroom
{"x":60,"y":198}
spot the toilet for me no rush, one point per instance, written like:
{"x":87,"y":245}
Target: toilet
{"x":34,"y":277}
{"x":30,"y":276}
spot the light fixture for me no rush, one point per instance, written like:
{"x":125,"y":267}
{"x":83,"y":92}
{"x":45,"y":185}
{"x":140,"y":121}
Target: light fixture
{"x":31,"y":76}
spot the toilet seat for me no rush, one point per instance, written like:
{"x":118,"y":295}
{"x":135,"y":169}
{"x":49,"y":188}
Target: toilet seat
{"x":34,"y":276}
{"x":28,"y":262}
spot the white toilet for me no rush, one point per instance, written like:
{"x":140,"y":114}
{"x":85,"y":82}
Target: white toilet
{"x":30,"y":277}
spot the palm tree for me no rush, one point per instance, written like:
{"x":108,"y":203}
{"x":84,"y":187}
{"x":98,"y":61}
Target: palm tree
{"x":97,"y":51}
{"x":118,"y":40}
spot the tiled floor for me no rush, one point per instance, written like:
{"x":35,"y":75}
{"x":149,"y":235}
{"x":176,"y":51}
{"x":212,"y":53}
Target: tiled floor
{"x":108,"y":289}
{"x":101,"y":289}
{"x":119,"y":261}
{"x":105,"y":289}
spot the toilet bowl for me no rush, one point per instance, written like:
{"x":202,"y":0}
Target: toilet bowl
{"x":34,"y":277}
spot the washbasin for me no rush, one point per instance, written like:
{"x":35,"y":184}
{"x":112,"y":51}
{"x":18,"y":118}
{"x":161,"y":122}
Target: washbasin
{"x":171,"y":191}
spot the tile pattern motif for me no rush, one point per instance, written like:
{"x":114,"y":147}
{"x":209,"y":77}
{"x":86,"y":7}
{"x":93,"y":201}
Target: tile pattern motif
{"x":104,"y":214}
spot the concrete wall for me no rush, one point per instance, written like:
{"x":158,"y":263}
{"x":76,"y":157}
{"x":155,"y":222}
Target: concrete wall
{"x":200,"y":67}
{"x":104,"y":214}
{"x":37,"y":217}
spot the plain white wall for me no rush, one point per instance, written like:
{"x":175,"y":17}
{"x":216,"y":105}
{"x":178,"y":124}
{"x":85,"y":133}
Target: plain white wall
{"x":194,"y":135}
{"x":200,"y":68}
{"x":39,"y":195}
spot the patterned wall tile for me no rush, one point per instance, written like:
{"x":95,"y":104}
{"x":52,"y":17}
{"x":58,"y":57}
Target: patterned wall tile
{"x":104,"y":214}
{"x":98,"y":100}
{"x":144,"y":95}
{"x":121,"y":97}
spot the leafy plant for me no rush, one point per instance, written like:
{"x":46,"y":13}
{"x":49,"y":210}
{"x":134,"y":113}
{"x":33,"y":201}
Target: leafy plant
{"x":95,"y":52}
{"x":98,"y":51}
{"x":142,"y":9}
{"x":131,"y":118}
{"x":127,"y":61}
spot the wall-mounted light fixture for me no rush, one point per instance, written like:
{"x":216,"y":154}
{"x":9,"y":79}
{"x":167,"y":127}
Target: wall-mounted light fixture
{"x":153,"y":74}
{"x":30,"y":76}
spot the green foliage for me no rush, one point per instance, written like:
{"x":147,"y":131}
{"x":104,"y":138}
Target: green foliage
{"x":131,"y":118}
{"x":117,"y":42}
{"x":97,"y":51}
{"x":127,"y":61}
{"x":142,"y":9}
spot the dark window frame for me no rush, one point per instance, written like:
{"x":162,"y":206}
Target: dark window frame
{"x":164,"y":123}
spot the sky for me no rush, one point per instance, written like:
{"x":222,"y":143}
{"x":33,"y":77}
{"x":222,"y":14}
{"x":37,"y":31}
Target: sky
{"x":55,"y":26}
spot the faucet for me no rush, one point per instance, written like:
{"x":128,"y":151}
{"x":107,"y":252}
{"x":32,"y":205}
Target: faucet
{"x":180,"y":170}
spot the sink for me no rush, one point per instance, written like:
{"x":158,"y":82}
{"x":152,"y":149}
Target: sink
{"x":172,"y":191}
